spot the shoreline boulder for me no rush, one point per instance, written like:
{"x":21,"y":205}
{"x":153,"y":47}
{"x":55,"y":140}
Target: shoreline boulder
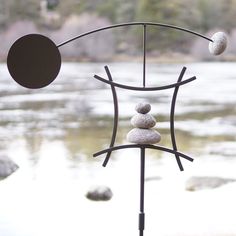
{"x":7,"y":167}
{"x":196,"y":183}
{"x":99,"y":193}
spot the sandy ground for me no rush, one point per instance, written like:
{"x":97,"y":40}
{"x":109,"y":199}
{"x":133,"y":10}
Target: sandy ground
{"x":57,"y":206}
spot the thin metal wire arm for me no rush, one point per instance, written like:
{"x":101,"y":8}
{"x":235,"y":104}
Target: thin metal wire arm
{"x":131,"y":24}
{"x":115,"y":123}
{"x":146,"y":88}
{"x":144,"y":53}
{"x":172,"y":112}
{"x":156,"y":147}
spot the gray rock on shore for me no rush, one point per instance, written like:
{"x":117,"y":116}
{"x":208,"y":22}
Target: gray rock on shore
{"x":7,"y":167}
{"x":153,"y":178}
{"x":99,"y":193}
{"x":196,"y":183}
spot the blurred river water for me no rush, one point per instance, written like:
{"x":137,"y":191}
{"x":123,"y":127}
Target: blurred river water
{"x":52,"y":133}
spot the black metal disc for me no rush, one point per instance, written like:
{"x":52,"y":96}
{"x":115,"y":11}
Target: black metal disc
{"x":34,"y":61}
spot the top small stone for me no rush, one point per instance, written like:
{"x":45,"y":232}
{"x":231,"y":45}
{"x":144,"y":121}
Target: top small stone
{"x":143,"y":108}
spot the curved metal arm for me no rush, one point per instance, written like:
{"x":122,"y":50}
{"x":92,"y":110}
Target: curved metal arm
{"x":135,"y":23}
{"x":145,"y":88}
{"x":116,"y":111}
{"x":156,"y":147}
{"x":172,"y":113}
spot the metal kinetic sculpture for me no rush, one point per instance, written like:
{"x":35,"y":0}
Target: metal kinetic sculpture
{"x":34,"y":61}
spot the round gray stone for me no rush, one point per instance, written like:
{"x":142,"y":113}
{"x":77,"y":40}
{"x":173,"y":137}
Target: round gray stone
{"x":143,"y":108}
{"x":143,"y":136}
{"x":7,"y":167}
{"x":144,"y":121}
{"x":99,"y":193}
{"x":196,"y":183}
{"x":219,"y":43}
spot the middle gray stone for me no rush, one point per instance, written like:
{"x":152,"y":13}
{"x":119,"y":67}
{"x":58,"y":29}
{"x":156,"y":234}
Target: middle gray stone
{"x":144,"y":121}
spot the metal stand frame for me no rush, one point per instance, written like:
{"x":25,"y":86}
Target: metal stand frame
{"x":144,"y":88}
{"x":53,"y":67}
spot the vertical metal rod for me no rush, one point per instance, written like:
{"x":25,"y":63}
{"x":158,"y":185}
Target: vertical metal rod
{"x":144,"y":53}
{"x":142,"y":178}
{"x":142,"y":150}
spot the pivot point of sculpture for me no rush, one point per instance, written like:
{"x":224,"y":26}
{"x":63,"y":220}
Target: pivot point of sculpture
{"x":219,"y":43}
{"x":143,"y":123}
{"x":34,"y":61}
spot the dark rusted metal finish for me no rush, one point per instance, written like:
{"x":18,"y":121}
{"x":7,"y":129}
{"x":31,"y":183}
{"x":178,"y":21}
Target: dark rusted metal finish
{"x":116,"y":115}
{"x":34,"y":61}
{"x":149,"y":146}
{"x":143,"y":88}
{"x":135,"y":23}
{"x":172,"y":116}
{"x":144,"y":53}
{"x":142,"y":185}
{"x":123,"y":86}
{"x":173,"y":102}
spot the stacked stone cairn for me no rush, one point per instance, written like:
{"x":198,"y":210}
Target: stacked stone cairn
{"x":143,"y":132}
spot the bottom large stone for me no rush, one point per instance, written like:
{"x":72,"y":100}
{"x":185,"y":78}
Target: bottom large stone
{"x":143,"y":136}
